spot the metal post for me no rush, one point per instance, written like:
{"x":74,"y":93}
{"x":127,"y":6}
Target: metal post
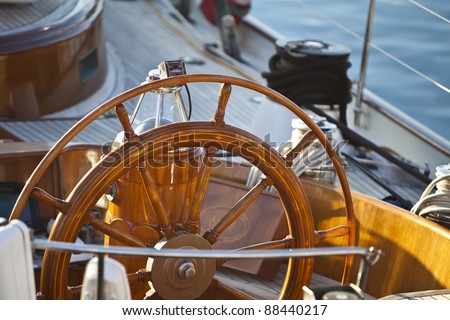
{"x":365,"y":55}
{"x":368,"y":260}
{"x":159,"y":109}
{"x":101,"y":272}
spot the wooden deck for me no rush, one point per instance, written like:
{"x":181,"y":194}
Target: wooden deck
{"x":262,"y":288}
{"x":141,"y":34}
{"x":13,"y":16}
{"x":139,"y":37}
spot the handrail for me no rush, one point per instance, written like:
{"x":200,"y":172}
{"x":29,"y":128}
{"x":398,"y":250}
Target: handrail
{"x":369,"y":256}
{"x":41,"y":244}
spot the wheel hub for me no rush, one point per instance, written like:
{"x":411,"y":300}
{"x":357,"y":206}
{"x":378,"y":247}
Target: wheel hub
{"x":182,"y":278}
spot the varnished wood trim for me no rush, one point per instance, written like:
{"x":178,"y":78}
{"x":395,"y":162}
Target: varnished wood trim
{"x":416,"y":251}
{"x":42,"y":195}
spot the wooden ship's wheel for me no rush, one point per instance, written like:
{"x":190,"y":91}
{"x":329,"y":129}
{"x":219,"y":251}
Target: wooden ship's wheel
{"x":196,"y":144}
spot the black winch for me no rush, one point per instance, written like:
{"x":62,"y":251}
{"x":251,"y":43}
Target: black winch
{"x":310,"y":72}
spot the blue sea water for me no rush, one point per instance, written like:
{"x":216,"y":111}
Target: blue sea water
{"x":401,"y":29}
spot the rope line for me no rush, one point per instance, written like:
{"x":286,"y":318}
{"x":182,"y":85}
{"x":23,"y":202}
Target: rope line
{"x":435,"y":206}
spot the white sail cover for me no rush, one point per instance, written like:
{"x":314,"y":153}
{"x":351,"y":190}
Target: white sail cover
{"x":115,"y":281}
{"x":16,"y":263}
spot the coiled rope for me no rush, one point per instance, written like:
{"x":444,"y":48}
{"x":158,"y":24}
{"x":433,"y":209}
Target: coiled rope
{"x":435,"y":206}
{"x":312,"y":80}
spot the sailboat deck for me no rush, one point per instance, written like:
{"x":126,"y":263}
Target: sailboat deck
{"x":13,"y":16}
{"x":262,"y":288}
{"x":139,"y":35}
{"x":138,"y":38}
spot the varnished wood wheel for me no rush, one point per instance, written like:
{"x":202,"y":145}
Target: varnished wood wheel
{"x":210,"y":136}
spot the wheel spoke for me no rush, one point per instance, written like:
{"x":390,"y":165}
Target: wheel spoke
{"x":305,"y":141}
{"x":74,"y":293}
{"x":156,"y":203}
{"x":335,"y":232}
{"x":285,"y":243}
{"x":236,"y":211}
{"x":142,"y":275}
{"x":224,"y":95}
{"x":41,"y":195}
{"x":109,"y":230}
{"x":128,"y":131}
{"x":192,"y":224}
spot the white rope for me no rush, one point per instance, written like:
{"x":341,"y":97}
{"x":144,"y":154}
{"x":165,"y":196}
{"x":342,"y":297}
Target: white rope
{"x":438,"y":202}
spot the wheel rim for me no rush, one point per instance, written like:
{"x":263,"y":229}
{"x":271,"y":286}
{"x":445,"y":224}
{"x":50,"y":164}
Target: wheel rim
{"x":72,"y":223}
{"x":91,"y":187}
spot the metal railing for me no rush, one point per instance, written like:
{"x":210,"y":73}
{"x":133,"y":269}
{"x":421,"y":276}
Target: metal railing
{"x":369,"y":256}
